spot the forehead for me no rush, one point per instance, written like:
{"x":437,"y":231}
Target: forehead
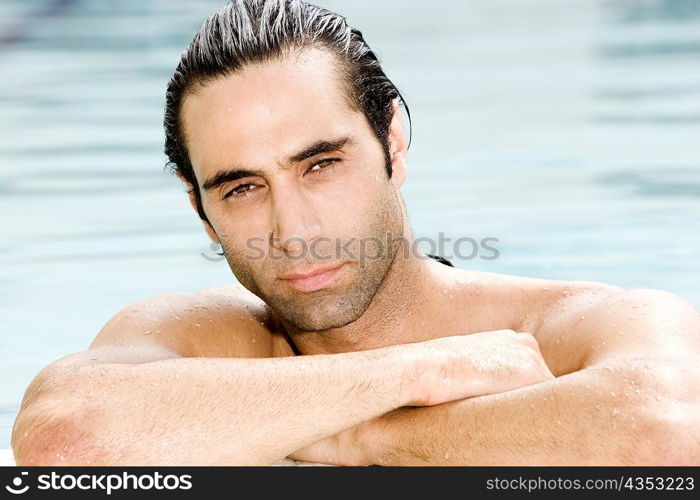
{"x":267,"y":111}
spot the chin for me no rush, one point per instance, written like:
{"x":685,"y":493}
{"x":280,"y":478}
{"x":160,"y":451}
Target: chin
{"x":322,"y":322}
{"x":320,"y":317}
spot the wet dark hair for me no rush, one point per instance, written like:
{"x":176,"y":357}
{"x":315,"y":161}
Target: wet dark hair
{"x":254,"y":31}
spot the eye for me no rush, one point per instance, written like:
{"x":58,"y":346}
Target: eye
{"x":323,"y":165}
{"x":244,"y":190}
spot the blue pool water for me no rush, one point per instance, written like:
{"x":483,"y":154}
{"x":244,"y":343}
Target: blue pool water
{"x":567,"y":130}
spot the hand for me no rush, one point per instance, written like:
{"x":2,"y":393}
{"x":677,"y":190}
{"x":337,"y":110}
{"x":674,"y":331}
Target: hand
{"x":344,"y":448}
{"x":439,"y":371}
{"x":464,"y":366}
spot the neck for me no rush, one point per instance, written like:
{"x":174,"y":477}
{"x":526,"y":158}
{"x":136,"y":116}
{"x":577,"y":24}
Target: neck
{"x":399,"y":312}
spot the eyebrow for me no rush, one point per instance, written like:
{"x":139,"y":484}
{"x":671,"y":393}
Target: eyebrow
{"x":322,"y":146}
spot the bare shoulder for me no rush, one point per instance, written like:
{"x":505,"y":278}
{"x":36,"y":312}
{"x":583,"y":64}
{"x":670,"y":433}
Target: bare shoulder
{"x":523,"y":303}
{"x":221,"y":321}
{"x":537,"y":287}
{"x":612,"y":324}
{"x":548,"y":309}
{"x":226,"y":321}
{"x":582,"y":323}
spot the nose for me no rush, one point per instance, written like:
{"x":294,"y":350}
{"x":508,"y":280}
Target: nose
{"x":296,"y":222}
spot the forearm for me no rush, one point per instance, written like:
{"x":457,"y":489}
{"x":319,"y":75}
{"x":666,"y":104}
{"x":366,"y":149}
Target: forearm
{"x":218,"y":411}
{"x":617,"y":414}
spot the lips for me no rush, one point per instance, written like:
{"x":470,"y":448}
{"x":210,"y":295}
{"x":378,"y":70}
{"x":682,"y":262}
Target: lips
{"x":312,"y":280}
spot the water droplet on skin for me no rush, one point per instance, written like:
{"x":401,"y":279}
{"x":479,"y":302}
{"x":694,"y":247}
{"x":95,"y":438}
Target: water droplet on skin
{"x":558,"y":422}
{"x":197,"y":325}
{"x":157,"y":331}
{"x":613,"y":394}
{"x":582,"y":317}
{"x":658,"y":398}
{"x":147,"y":332}
{"x":178,"y":318}
{"x":447,"y":456}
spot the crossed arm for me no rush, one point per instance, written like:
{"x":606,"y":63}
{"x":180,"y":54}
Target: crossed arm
{"x":633,"y":400}
{"x":630,"y":397}
{"x":226,"y":397}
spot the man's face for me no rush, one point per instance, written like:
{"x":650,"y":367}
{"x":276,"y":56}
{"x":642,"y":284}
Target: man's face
{"x":288,"y":215}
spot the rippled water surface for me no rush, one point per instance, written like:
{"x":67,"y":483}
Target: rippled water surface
{"x":567,"y":130}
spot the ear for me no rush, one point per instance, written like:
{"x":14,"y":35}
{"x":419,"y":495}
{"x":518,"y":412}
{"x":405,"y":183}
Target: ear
{"x":398,"y":143}
{"x":207,"y":227}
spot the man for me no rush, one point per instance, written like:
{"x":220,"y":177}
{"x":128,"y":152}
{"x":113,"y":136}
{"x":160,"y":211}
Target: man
{"x":345,"y":344}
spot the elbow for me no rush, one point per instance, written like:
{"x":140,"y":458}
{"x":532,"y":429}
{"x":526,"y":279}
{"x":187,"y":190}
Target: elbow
{"x":657,"y":424}
{"x":55,"y":432}
{"x":664,"y":428}
{"x":663,"y":441}
{"x":669,"y":435}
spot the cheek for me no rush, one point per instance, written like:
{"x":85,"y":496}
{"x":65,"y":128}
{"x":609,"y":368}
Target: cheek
{"x":246,"y":252}
{"x":247,"y":260}
{"x":354,"y":200}
{"x":239,"y":230}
